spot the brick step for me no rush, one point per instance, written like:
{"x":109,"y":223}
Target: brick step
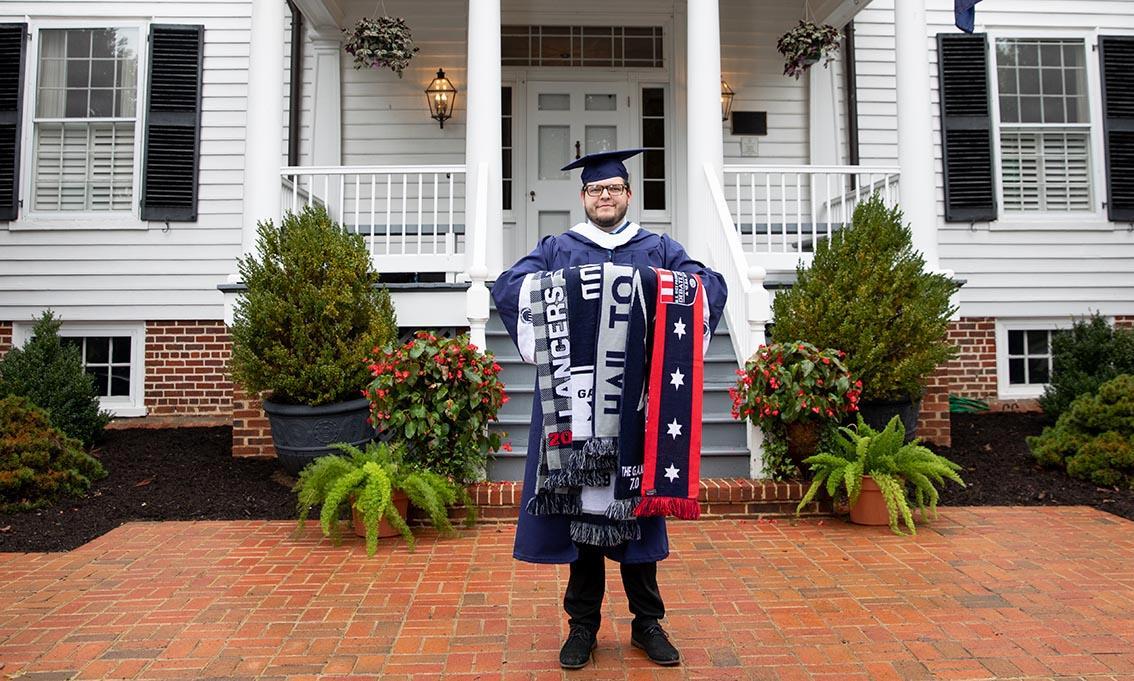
{"x":498,"y":502}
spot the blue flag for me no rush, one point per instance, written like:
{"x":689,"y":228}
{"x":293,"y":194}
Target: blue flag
{"x":964,"y":14}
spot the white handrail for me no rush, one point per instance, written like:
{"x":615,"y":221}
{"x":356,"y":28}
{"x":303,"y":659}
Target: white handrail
{"x":747,"y":309}
{"x":780,"y":212}
{"x":410,"y":215}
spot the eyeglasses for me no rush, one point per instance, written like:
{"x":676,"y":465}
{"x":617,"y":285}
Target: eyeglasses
{"x":612,"y":189}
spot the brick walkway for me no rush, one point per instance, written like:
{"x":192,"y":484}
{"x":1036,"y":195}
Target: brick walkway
{"x":981,"y":593}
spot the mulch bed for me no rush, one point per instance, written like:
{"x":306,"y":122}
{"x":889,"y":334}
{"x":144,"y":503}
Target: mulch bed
{"x":190,"y":474}
{"x":168,"y":474}
{"x":1000,"y":471}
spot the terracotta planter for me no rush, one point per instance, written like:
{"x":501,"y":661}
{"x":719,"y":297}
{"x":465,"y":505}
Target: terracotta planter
{"x":385,"y":529}
{"x":871,"y":507}
{"x":802,"y":442}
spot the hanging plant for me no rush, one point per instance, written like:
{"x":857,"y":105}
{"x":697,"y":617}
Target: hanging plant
{"x":807,"y":44}
{"x":381,"y":42}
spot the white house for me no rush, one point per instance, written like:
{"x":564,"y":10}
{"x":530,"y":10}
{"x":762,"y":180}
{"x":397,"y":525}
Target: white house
{"x":140,"y":143}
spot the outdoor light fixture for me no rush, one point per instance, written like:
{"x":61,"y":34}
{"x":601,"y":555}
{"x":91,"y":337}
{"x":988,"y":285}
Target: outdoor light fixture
{"x":442,"y":98}
{"x":726,"y":100}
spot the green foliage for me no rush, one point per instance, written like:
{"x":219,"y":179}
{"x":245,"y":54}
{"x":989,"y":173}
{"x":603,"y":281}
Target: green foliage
{"x":1094,"y":438}
{"x":867,"y":292}
{"x":439,"y":395}
{"x":311,"y":313}
{"x":38,"y":463}
{"x":51,"y":375}
{"x":367,"y":479}
{"x":777,"y":465}
{"x":381,"y":42}
{"x":805,"y":45}
{"x":794,"y":381}
{"x":1083,"y":358}
{"x":893,"y":463}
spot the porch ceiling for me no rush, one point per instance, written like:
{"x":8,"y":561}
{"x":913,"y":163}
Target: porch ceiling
{"x":323,"y":16}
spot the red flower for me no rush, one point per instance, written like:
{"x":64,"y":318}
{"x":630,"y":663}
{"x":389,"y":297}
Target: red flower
{"x":507,"y":446}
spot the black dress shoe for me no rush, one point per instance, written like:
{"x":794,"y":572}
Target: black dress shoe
{"x":576,"y":650}
{"x":654,"y":641}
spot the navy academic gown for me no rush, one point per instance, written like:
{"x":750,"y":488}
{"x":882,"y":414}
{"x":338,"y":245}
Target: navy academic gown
{"x":547,"y":539}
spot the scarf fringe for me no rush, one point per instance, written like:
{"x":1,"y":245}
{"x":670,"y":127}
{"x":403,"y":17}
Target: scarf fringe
{"x":623,"y":509}
{"x":600,"y":534}
{"x":683,"y":509}
{"x":550,"y":503}
{"x":572,"y":478}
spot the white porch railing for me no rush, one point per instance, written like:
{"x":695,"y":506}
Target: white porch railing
{"x":747,"y":308}
{"x":412,"y":217}
{"x":780,"y":212}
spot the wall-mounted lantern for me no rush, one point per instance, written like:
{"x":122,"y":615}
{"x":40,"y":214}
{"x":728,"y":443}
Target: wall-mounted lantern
{"x":726,"y":100}
{"x":442,"y":98}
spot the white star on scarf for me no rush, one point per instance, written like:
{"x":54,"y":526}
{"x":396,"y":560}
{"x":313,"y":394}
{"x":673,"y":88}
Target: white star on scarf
{"x":674,"y":429}
{"x":671,"y":472}
{"x":679,"y":328}
{"x":677,"y":379}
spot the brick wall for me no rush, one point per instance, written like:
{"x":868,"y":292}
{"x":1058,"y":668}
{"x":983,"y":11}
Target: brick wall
{"x":186,"y":368}
{"x":971,"y":374}
{"x":251,"y":434}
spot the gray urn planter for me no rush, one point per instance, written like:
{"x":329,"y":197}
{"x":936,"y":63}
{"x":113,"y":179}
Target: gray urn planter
{"x":301,"y":434}
{"x":878,"y":414}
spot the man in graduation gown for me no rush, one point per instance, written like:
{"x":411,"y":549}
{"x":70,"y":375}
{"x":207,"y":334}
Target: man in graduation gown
{"x":606,"y":236}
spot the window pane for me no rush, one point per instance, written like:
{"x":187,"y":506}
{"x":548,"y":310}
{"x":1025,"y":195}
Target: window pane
{"x":1037,"y":342}
{"x":83,"y":166}
{"x":653,"y":102}
{"x":554,"y":144}
{"x":120,"y":381}
{"x":654,"y":166}
{"x":101,"y":375}
{"x":600,"y":138}
{"x":653,"y":195}
{"x":1016,"y":371}
{"x":653,"y":132}
{"x":505,"y":101}
{"x":1038,"y":370}
{"x":120,"y":350}
{"x":98,"y":350}
{"x":600,"y":103}
{"x":554,"y":102}
{"x":1015,"y":342}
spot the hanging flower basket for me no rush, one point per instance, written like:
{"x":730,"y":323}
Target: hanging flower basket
{"x":806,"y":45}
{"x":381,"y":42}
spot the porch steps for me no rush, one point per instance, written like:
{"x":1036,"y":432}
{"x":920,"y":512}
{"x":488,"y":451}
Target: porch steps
{"x":724,"y":451}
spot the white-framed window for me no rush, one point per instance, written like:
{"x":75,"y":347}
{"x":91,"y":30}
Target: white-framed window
{"x":84,"y":129}
{"x":1023,"y":355}
{"x":112,"y":353}
{"x":1044,"y":125}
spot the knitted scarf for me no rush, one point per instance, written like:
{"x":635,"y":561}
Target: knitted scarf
{"x":597,"y":330}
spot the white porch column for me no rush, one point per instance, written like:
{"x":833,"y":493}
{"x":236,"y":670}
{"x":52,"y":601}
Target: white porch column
{"x":263,"y":142}
{"x":482,"y":127}
{"x":703,"y":110}
{"x":327,"y":101}
{"x":915,"y":128}
{"x":823,"y":125}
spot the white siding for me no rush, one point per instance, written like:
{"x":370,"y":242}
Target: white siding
{"x":150,"y":273}
{"x":1013,"y":267}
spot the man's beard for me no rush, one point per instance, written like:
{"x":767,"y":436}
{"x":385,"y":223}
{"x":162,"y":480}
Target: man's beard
{"x":609,"y":224}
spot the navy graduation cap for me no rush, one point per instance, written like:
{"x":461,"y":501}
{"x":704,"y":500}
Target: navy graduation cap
{"x":603,"y":164}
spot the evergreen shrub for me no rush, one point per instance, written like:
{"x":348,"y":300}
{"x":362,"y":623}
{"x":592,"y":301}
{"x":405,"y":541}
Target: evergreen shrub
{"x":1094,"y":438}
{"x":867,"y":292}
{"x":1084,"y":357}
{"x":311,"y":314}
{"x":39,"y":463}
{"x":50,"y":374}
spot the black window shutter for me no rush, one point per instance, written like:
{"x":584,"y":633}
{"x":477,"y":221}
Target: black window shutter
{"x":13,"y":48}
{"x":966,"y":127}
{"x":173,"y":123}
{"x":1117,"y":56}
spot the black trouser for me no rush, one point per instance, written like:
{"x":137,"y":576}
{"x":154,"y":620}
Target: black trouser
{"x":585,"y":589}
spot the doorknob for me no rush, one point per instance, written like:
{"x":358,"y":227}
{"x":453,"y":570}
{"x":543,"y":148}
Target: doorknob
{"x":532,"y":194}
{"x":576,"y":150}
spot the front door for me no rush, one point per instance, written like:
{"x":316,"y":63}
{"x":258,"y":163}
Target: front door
{"x":567,"y":121}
